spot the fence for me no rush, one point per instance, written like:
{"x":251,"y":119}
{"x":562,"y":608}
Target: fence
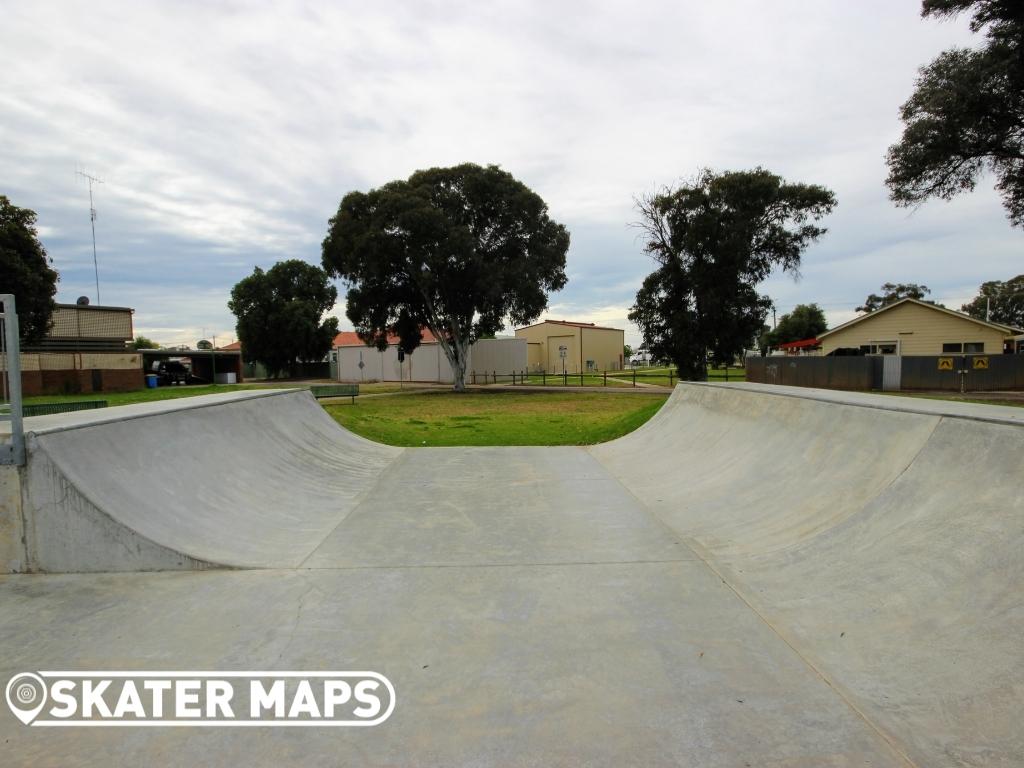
{"x":826,"y":372}
{"x":12,"y":441}
{"x":952,"y":373}
{"x":621,"y":378}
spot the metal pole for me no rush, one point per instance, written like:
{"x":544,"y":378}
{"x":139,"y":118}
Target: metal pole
{"x":12,"y":352}
{"x":95,"y":262}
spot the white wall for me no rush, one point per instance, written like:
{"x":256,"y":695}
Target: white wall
{"x":428,"y":363}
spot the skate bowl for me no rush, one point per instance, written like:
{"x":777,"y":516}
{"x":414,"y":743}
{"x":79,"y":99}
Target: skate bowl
{"x":792,"y":576}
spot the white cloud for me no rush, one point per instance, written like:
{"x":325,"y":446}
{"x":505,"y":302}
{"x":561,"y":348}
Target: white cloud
{"x":226,"y":133}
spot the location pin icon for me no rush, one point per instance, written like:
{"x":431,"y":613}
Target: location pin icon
{"x":26,"y":695}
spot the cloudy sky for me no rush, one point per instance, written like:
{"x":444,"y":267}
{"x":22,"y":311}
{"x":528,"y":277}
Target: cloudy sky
{"x":227,"y":132}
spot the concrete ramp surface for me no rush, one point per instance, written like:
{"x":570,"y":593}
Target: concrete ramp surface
{"x":244,"y":481}
{"x":759,"y":576}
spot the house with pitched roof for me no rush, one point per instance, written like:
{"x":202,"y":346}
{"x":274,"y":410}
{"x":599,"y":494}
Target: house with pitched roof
{"x":911,"y":327}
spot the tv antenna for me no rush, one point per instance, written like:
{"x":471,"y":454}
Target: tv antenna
{"x":92,"y":219}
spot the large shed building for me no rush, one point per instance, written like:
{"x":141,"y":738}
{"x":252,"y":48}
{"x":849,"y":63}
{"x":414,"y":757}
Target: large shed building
{"x":428,"y":363}
{"x":561,"y":345}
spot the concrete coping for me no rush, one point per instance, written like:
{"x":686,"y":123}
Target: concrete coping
{"x":996,"y":414}
{"x":60,"y":422}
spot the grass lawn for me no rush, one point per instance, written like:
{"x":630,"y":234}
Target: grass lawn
{"x":497,"y":418}
{"x":993,"y":399}
{"x":572,"y":380}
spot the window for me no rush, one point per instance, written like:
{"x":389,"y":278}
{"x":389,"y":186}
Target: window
{"x":879,"y":348}
{"x":974,"y":347}
{"x":952,"y":347}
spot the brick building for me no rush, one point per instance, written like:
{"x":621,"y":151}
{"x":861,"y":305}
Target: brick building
{"x":85,"y":350}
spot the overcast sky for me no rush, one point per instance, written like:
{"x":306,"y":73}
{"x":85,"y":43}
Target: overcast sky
{"x":226,"y":134}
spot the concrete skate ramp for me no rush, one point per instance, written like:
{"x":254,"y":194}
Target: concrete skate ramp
{"x":881,"y":538}
{"x":758,"y":576}
{"x":244,"y":480}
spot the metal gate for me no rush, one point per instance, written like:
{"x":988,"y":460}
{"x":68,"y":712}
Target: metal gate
{"x":892,"y":365}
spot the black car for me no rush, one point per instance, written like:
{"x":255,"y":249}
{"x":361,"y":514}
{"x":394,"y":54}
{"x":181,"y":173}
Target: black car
{"x":171,"y":372}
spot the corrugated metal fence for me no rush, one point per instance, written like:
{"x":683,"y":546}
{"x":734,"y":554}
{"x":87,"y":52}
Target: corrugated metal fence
{"x":955,"y":373}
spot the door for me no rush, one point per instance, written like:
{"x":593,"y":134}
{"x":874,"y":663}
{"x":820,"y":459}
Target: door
{"x":891,"y":368}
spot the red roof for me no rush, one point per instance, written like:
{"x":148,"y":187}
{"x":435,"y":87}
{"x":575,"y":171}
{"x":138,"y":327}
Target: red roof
{"x":232,"y":346}
{"x":802,"y":344}
{"x":351,"y":338}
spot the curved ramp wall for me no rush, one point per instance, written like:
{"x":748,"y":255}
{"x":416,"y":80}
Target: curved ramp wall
{"x":881,"y":538}
{"x":253,"y":481}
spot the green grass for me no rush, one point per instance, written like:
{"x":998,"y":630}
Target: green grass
{"x":497,"y":418}
{"x":965,"y":398}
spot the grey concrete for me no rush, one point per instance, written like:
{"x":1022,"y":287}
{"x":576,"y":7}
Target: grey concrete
{"x":754,"y":577}
{"x":257,"y":481}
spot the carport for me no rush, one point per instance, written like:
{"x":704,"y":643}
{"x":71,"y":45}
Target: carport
{"x":206,"y":363}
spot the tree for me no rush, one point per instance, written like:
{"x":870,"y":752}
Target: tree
{"x":627,"y":353}
{"x":806,"y":321}
{"x":893,"y":292}
{"x":26,"y":271}
{"x":966,"y":115}
{"x":141,"y":342}
{"x":456,"y":250}
{"x":714,"y":239}
{"x":999,"y":302}
{"x":280,"y":315}
{"x":204,"y":344}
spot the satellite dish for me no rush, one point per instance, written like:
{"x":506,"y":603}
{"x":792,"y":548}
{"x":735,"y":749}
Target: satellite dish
{"x":83,"y":301}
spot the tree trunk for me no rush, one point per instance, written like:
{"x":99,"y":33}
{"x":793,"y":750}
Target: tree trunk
{"x":460,"y":348}
{"x":456,"y":350}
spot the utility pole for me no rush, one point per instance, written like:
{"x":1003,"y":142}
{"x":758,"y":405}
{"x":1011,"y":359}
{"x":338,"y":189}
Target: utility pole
{"x":92,"y":220}
{"x":988,"y":309}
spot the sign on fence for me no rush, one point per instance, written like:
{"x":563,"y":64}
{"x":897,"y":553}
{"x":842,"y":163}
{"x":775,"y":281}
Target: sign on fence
{"x":945,"y":363}
{"x":980,"y":363}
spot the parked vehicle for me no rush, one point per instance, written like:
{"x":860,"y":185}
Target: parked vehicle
{"x":171,"y":372}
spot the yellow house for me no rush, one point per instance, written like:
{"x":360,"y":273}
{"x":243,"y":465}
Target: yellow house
{"x":912,"y":327}
{"x":557,"y":345}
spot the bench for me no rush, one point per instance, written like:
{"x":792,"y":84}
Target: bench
{"x":336,"y":390}
{"x":48,"y":409}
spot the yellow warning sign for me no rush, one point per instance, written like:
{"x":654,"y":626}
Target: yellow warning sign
{"x":981,"y":363}
{"x":945,"y":363}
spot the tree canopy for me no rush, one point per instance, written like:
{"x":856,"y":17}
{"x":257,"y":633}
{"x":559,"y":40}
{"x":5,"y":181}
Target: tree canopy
{"x":714,"y":240}
{"x":280,"y":315}
{"x":893,"y":292}
{"x":141,"y":342}
{"x":26,"y":271}
{"x":966,"y":115}
{"x":1000,"y":302}
{"x":457,"y":250}
{"x":806,"y":321}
